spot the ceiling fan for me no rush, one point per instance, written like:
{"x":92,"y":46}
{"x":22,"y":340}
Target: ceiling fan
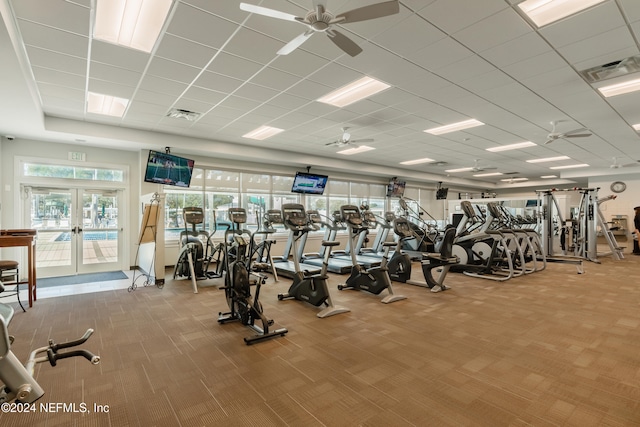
{"x":319,"y":20}
{"x":478,"y":168}
{"x":345,"y":139}
{"x":576,"y":133}
{"x":616,"y":165}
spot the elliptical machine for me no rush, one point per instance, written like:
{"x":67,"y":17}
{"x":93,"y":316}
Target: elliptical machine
{"x":237,"y":282}
{"x":16,"y":381}
{"x":373,"y":279}
{"x":307,"y":287}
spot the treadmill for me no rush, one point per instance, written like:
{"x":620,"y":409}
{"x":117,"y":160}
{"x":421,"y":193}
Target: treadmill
{"x":283,"y":265}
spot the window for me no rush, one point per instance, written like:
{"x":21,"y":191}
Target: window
{"x":41,"y":170}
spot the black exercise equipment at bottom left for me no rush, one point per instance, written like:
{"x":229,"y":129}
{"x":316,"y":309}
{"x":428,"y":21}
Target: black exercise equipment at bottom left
{"x":16,"y":381}
{"x":238,"y":279}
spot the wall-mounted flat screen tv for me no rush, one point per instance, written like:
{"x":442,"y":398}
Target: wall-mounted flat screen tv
{"x":308,"y":183}
{"x":396,"y":188}
{"x":168,"y":169}
{"x":441,"y":193}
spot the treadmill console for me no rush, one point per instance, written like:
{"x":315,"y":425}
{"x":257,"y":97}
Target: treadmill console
{"x":351,"y":215}
{"x":402,"y":228}
{"x":294,"y":215}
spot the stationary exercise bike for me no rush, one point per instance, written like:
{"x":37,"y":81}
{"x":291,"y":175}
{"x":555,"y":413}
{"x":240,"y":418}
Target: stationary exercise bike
{"x":238,"y":280}
{"x":373,"y":279}
{"x":17,"y":382}
{"x":310,"y":288}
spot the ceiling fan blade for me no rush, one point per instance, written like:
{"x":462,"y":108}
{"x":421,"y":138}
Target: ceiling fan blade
{"x":343,"y":42}
{"x":550,"y":139}
{"x":373,"y":11}
{"x":363,"y":140}
{"x":272,"y":13}
{"x":295,"y":43}
{"x":629,"y":165}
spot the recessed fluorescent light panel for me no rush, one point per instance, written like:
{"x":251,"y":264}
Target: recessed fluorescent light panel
{"x":418,"y":161}
{"x":637,"y":127}
{"x":106,"y":104}
{"x":360,"y":89}
{"x":582,"y":165}
{"x":471,"y":123}
{"x":620,"y":88}
{"x":543,"y":12}
{"x":263,"y":132}
{"x":548,"y":176}
{"x":549,"y":159}
{"x":514,"y":179}
{"x":488,"y":174}
{"x":131,"y":23}
{"x":459,"y":170}
{"x":356,"y":150}
{"x":516,"y":146}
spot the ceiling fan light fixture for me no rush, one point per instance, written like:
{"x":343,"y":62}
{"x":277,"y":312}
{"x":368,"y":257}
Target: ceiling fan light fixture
{"x":107,"y":105}
{"x":131,"y":23}
{"x":417,"y":161}
{"x":356,"y":150}
{"x":515,"y":146}
{"x":620,"y":88}
{"x":581,"y":165}
{"x":549,"y":159}
{"x":353,"y":92}
{"x":263,"y":132}
{"x":544,"y":12}
{"x":453,"y":127}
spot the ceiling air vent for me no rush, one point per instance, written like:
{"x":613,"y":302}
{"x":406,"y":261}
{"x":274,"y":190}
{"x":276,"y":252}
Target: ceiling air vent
{"x":612,"y":69}
{"x":177,"y":113}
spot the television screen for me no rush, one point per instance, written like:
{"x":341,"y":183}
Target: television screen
{"x":307,"y":183}
{"x":167,"y":169}
{"x":396,"y":188}
{"x":441,"y":194}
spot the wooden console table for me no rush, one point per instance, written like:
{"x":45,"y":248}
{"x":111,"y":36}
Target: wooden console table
{"x":26,"y":238}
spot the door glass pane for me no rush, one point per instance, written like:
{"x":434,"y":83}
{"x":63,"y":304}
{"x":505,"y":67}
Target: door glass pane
{"x":99,"y":227}
{"x":51,"y":215}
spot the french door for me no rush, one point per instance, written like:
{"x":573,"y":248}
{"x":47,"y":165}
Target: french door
{"x":79,"y":230}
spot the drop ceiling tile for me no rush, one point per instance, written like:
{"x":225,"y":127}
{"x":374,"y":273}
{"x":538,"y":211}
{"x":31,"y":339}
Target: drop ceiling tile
{"x":192,"y":24}
{"x":65,"y":15}
{"x":171,"y":70}
{"x":483,"y":35}
{"x":204,"y":95}
{"x":473,"y":66}
{"x":599,"y":45}
{"x":227,"y":10}
{"x":247,"y":43}
{"x":299,"y":63}
{"x":275,"y":79}
{"x":153,"y":98}
{"x":218,"y":82}
{"x":534,"y":66}
{"x":61,"y":62}
{"x":234,"y":66}
{"x":309,"y":90}
{"x":184,"y":51}
{"x":606,"y":58}
{"x":117,"y":75}
{"x":49,"y":90}
{"x":255,"y":92}
{"x":47,"y":75}
{"x":37,"y":35}
{"x":631,"y":9}
{"x":585,"y":25}
{"x":118,"y":56}
{"x":108,"y":88}
{"x":516,"y":50}
{"x":454,"y":15}
{"x":160,"y":85}
{"x":409,"y":35}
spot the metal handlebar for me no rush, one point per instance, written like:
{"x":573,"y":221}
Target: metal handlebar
{"x":53,"y":356}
